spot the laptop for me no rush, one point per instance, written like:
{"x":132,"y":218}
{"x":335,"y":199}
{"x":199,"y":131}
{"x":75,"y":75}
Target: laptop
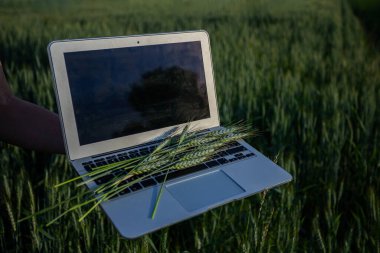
{"x":119,"y":97}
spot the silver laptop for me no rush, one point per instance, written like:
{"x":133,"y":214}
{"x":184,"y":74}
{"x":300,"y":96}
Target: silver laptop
{"x":119,"y":96}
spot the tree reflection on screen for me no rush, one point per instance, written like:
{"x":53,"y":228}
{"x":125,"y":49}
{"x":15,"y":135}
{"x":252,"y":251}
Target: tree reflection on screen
{"x":165,"y":97}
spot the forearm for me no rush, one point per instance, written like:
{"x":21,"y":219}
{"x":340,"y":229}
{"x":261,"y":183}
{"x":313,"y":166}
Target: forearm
{"x":30,"y":126}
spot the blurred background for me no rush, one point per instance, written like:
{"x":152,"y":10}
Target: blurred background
{"x":305,"y":73}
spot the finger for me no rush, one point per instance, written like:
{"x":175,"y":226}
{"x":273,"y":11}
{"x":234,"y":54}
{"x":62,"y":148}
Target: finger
{"x":2,"y":76}
{"x":5,"y":91}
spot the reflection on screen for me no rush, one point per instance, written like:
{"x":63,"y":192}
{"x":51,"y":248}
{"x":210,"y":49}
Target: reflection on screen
{"x":124,"y":91}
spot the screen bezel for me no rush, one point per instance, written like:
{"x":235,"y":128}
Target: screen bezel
{"x":56,"y":50}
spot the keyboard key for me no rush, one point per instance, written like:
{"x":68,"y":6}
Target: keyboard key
{"x":235,"y":144}
{"x":250,"y":154}
{"x":132,"y":178}
{"x":114,"y":196}
{"x":133,"y":155}
{"x":196,"y":168}
{"x":98,"y":164}
{"x":119,"y":172}
{"x":88,"y":167}
{"x":216,"y":156}
{"x":104,"y":179}
{"x":125,"y":191}
{"x":135,"y":187}
{"x":160,"y":178}
{"x":179,"y":173}
{"x":211,"y":164}
{"x":122,"y":183}
{"x":235,"y":150}
{"x":156,"y":174}
{"x":183,"y":172}
{"x":223,"y":153}
{"x":171,"y":175}
{"x":112,"y":160}
{"x":222,"y":160}
{"x":233,"y":159}
{"x":148,"y":182}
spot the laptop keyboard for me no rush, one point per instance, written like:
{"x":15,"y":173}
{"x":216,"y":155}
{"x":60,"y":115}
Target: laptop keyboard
{"x":233,"y":152}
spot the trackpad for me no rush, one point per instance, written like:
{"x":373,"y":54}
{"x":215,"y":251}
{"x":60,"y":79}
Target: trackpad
{"x":205,"y":190}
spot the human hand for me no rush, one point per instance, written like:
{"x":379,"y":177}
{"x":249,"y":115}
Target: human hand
{"x":5,"y":91}
{"x":26,"y":124}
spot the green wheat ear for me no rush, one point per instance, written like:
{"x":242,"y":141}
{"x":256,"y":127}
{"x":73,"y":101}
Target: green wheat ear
{"x":174,"y":153}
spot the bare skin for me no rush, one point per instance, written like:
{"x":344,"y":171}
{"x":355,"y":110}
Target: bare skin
{"x":28,"y":125}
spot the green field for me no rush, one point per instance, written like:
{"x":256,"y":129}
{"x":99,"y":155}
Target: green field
{"x":303,"y":72}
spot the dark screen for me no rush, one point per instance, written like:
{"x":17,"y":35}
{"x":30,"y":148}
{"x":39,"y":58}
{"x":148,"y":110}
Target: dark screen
{"x":123,"y":91}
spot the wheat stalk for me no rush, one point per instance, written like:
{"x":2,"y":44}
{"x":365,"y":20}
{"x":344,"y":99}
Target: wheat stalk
{"x":174,"y":153}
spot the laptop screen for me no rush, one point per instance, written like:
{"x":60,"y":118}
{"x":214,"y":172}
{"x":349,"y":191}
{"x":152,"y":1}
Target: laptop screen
{"x":124,"y":91}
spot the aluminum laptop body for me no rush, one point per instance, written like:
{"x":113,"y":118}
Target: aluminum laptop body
{"x":119,"y":96}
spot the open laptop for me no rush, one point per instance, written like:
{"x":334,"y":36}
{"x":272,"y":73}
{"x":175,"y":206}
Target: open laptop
{"x":119,"y":96}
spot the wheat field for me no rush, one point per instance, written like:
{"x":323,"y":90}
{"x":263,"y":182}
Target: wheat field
{"x":302,"y":72}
